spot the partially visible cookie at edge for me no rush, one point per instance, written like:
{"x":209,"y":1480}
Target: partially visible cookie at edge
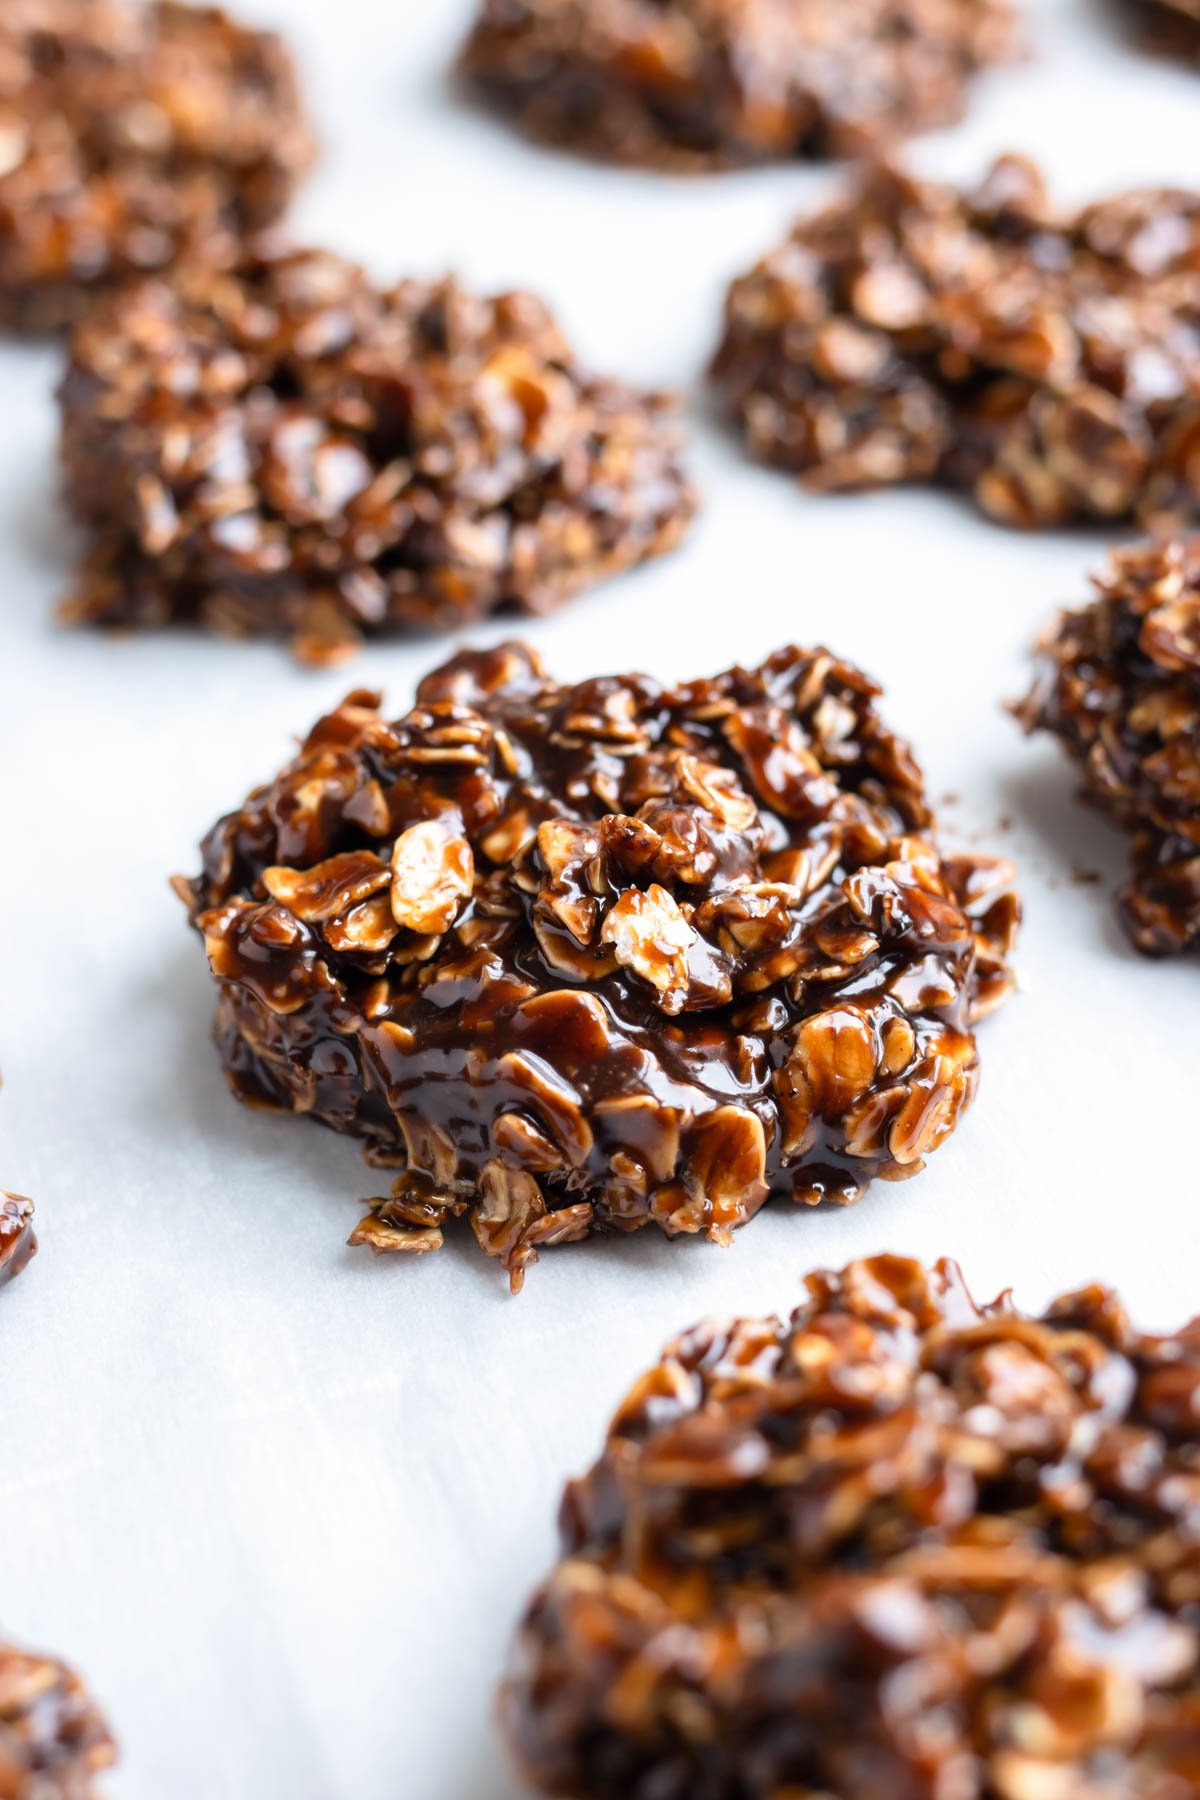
{"x":1169,"y":27}
{"x":134,"y":136}
{"x":18,"y":1243}
{"x":1118,"y":685}
{"x":701,"y":84}
{"x":893,"y":1544}
{"x":54,"y":1741}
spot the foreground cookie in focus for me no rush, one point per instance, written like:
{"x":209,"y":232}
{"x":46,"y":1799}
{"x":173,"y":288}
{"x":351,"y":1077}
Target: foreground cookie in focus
{"x":18,"y":1244}
{"x":294,"y":450}
{"x":896,"y":1545}
{"x":53,"y":1740}
{"x":132,"y":135}
{"x":1119,"y":686}
{"x":589,"y":958}
{"x":704,"y":83}
{"x":1045,"y":361}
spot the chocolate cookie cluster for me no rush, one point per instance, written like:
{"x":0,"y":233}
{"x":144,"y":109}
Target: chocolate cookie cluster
{"x":290,"y":449}
{"x":131,"y":136}
{"x":53,"y":1740}
{"x":1044,"y":360}
{"x":893,"y":1545}
{"x":703,"y":83}
{"x":592,"y":957}
{"x":1119,"y":686}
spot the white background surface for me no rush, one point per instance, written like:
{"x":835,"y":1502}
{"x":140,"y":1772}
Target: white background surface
{"x":282,"y":1502}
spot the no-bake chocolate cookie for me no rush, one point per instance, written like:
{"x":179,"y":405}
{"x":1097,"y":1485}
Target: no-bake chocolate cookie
{"x":18,"y":1244}
{"x":895,"y":1547}
{"x":1046,"y":361}
{"x":290,"y":449}
{"x":588,"y":958}
{"x":132,"y":135}
{"x":703,"y":83}
{"x":53,"y":1740}
{"x":1119,"y":686}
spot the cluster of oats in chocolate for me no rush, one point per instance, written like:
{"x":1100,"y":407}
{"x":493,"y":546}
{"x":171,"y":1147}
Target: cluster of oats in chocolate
{"x":592,"y":957}
{"x":1119,"y":687}
{"x":703,"y":83}
{"x":53,"y":1740}
{"x":1046,"y":361}
{"x":132,"y":136}
{"x":896,"y":1545}
{"x":288,"y":448}
{"x":586,"y":958}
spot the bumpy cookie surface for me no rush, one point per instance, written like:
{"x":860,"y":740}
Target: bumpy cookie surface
{"x":701,"y":83}
{"x":133,"y":135}
{"x":1045,"y":361}
{"x":894,"y":1547}
{"x":18,"y":1243}
{"x":588,"y":958}
{"x":291,"y":450}
{"x":53,"y":1741}
{"x":1119,"y":686}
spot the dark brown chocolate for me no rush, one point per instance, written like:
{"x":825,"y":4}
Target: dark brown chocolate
{"x":895,"y":1547}
{"x":1119,"y":686}
{"x":586,"y":958}
{"x":132,"y":136}
{"x":1043,"y":360}
{"x":709,"y":83}
{"x":18,"y":1244}
{"x":294,"y":450}
{"x":1171,"y":27}
{"x":53,"y":1739}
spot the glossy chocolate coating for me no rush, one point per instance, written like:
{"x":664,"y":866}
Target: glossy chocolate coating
{"x":892,"y":1547}
{"x":1118,"y":685}
{"x":588,"y":957}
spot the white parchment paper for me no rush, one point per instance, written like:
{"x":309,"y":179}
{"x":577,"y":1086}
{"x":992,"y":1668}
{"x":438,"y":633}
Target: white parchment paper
{"x":282,"y":1502}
